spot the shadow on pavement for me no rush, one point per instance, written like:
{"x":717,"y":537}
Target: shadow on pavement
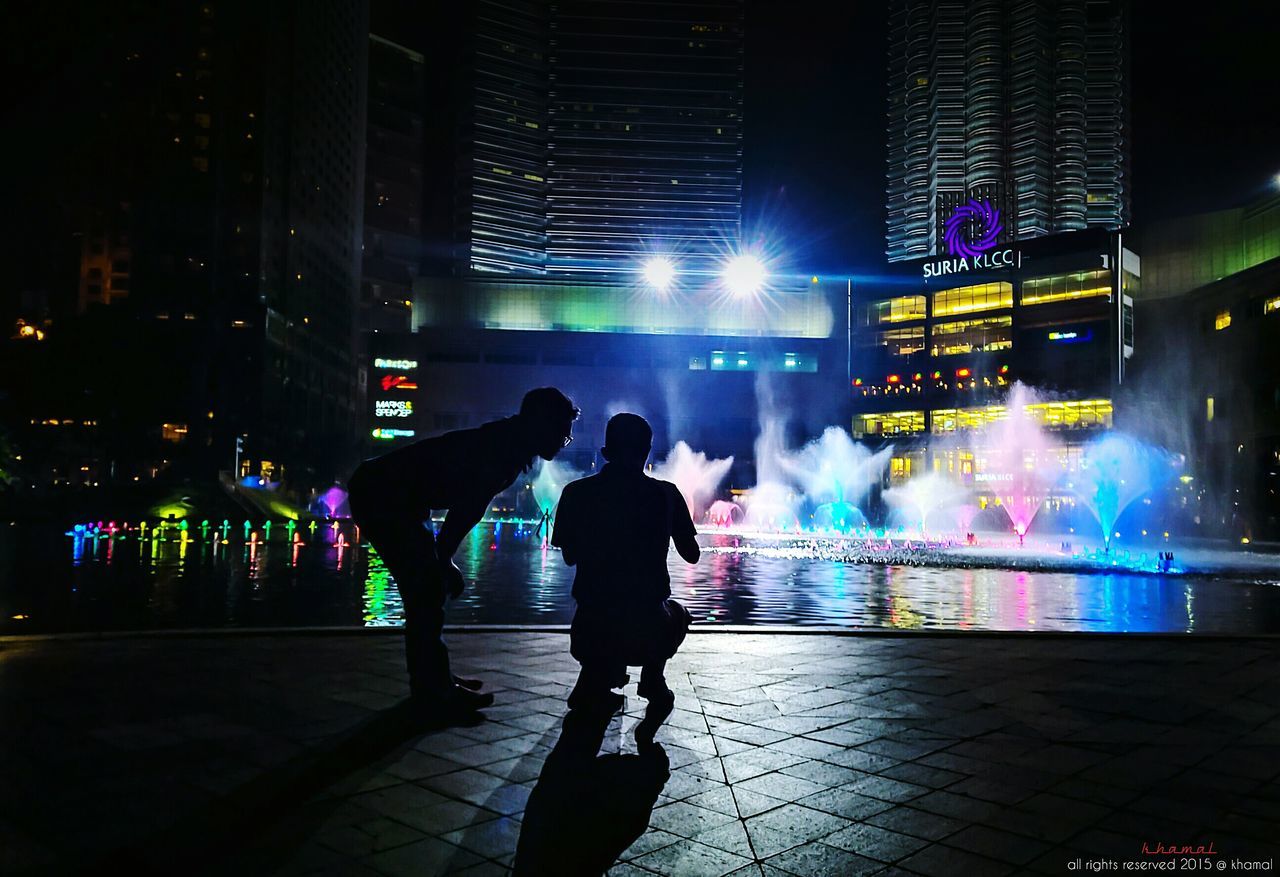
{"x":247,"y":831}
{"x":586,"y":809}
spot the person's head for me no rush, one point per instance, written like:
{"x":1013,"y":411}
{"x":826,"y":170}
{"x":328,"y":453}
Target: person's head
{"x":627,"y":440}
{"x":550,"y":416}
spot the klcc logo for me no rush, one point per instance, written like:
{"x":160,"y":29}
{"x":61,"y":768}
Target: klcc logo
{"x":972,"y":252}
{"x":990,"y":228}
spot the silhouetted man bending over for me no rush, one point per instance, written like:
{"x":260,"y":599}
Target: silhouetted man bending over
{"x":392,"y":498}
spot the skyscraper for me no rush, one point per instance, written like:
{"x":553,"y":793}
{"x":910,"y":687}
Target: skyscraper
{"x":593,"y":134}
{"x":646,"y":135}
{"x":1021,"y":104}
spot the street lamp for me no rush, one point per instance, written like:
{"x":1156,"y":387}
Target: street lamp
{"x":659,"y":272}
{"x":744,"y":275}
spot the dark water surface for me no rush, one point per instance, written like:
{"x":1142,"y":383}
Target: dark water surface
{"x":53,"y":582}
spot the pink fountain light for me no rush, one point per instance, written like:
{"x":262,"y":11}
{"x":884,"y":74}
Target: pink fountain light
{"x":694,"y":475}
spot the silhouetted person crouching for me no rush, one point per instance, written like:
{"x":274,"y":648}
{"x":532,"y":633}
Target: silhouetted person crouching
{"x":392,"y":498}
{"x":616,"y":527}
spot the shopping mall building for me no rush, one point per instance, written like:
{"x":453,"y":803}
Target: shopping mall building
{"x":937,"y":346}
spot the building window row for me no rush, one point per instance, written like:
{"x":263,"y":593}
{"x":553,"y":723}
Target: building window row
{"x":1066,"y":287}
{"x":969,"y":299}
{"x":893,"y":310}
{"x":899,"y":342}
{"x":970,"y":336}
{"x":1081,"y":414}
{"x":744,"y":361}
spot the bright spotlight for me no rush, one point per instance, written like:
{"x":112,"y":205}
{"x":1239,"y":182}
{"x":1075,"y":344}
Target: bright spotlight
{"x":744,"y":275}
{"x":659,"y":272}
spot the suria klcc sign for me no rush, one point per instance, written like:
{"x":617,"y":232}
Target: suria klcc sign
{"x":970,"y":235}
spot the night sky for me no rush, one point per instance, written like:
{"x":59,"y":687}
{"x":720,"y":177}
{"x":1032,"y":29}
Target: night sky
{"x":1205,"y":110}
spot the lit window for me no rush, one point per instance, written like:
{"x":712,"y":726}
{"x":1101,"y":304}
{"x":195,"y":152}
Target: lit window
{"x":947,"y":420}
{"x":968,"y":299}
{"x":1271,"y":305}
{"x":1208,"y":409}
{"x":899,"y":342}
{"x":892,"y":310}
{"x":1066,"y":287}
{"x":173,"y":432}
{"x":1222,"y":320}
{"x":1082,"y":414}
{"x":889,"y":423}
{"x":968,"y":336}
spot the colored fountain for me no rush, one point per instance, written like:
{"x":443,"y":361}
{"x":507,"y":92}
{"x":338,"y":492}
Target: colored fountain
{"x":697,"y":477}
{"x":1117,"y":470}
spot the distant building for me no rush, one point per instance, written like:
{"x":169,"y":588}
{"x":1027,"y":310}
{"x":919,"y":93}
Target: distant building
{"x":1190,"y":252}
{"x":1207,"y":381}
{"x":1021,"y":105}
{"x":219,"y":228}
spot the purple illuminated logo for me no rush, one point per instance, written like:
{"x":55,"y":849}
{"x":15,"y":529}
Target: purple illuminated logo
{"x":986,"y":217}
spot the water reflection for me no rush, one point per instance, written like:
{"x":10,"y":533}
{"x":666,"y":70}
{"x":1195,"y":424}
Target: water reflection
{"x":133,"y":577}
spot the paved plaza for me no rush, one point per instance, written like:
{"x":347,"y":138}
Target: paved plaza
{"x":787,"y":754}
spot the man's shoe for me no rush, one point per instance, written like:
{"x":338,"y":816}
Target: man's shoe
{"x":454,"y":701}
{"x":469,"y":684}
{"x":656,"y":693}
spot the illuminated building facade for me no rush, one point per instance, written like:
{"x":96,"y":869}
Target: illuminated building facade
{"x":689,"y":361}
{"x":1021,"y":104}
{"x":1192,"y":252}
{"x":934,"y":357}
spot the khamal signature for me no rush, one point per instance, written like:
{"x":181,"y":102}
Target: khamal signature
{"x":1162,"y":850}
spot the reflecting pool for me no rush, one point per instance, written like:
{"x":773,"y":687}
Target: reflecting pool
{"x":50,"y":581}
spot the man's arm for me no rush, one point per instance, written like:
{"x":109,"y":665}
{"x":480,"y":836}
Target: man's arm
{"x":458,"y":521}
{"x":683,"y":533}
{"x":562,"y":536}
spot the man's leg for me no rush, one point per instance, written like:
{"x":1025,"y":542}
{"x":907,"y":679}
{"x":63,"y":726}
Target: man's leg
{"x":407,"y":548}
{"x":653,"y":687}
{"x":653,"y":682}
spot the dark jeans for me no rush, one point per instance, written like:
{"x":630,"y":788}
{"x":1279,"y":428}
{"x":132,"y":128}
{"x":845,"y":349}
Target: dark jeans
{"x":408,"y":549}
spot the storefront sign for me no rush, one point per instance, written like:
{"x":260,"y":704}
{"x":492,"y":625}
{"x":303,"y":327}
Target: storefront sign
{"x":397,"y":382}
{"x":381,"y":433}
{"x":1071,"y":337}
{"x":397,"y":364}
{"x":393,"y":408}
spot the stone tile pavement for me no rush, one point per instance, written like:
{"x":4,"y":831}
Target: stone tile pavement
{"x":786,"y":754}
